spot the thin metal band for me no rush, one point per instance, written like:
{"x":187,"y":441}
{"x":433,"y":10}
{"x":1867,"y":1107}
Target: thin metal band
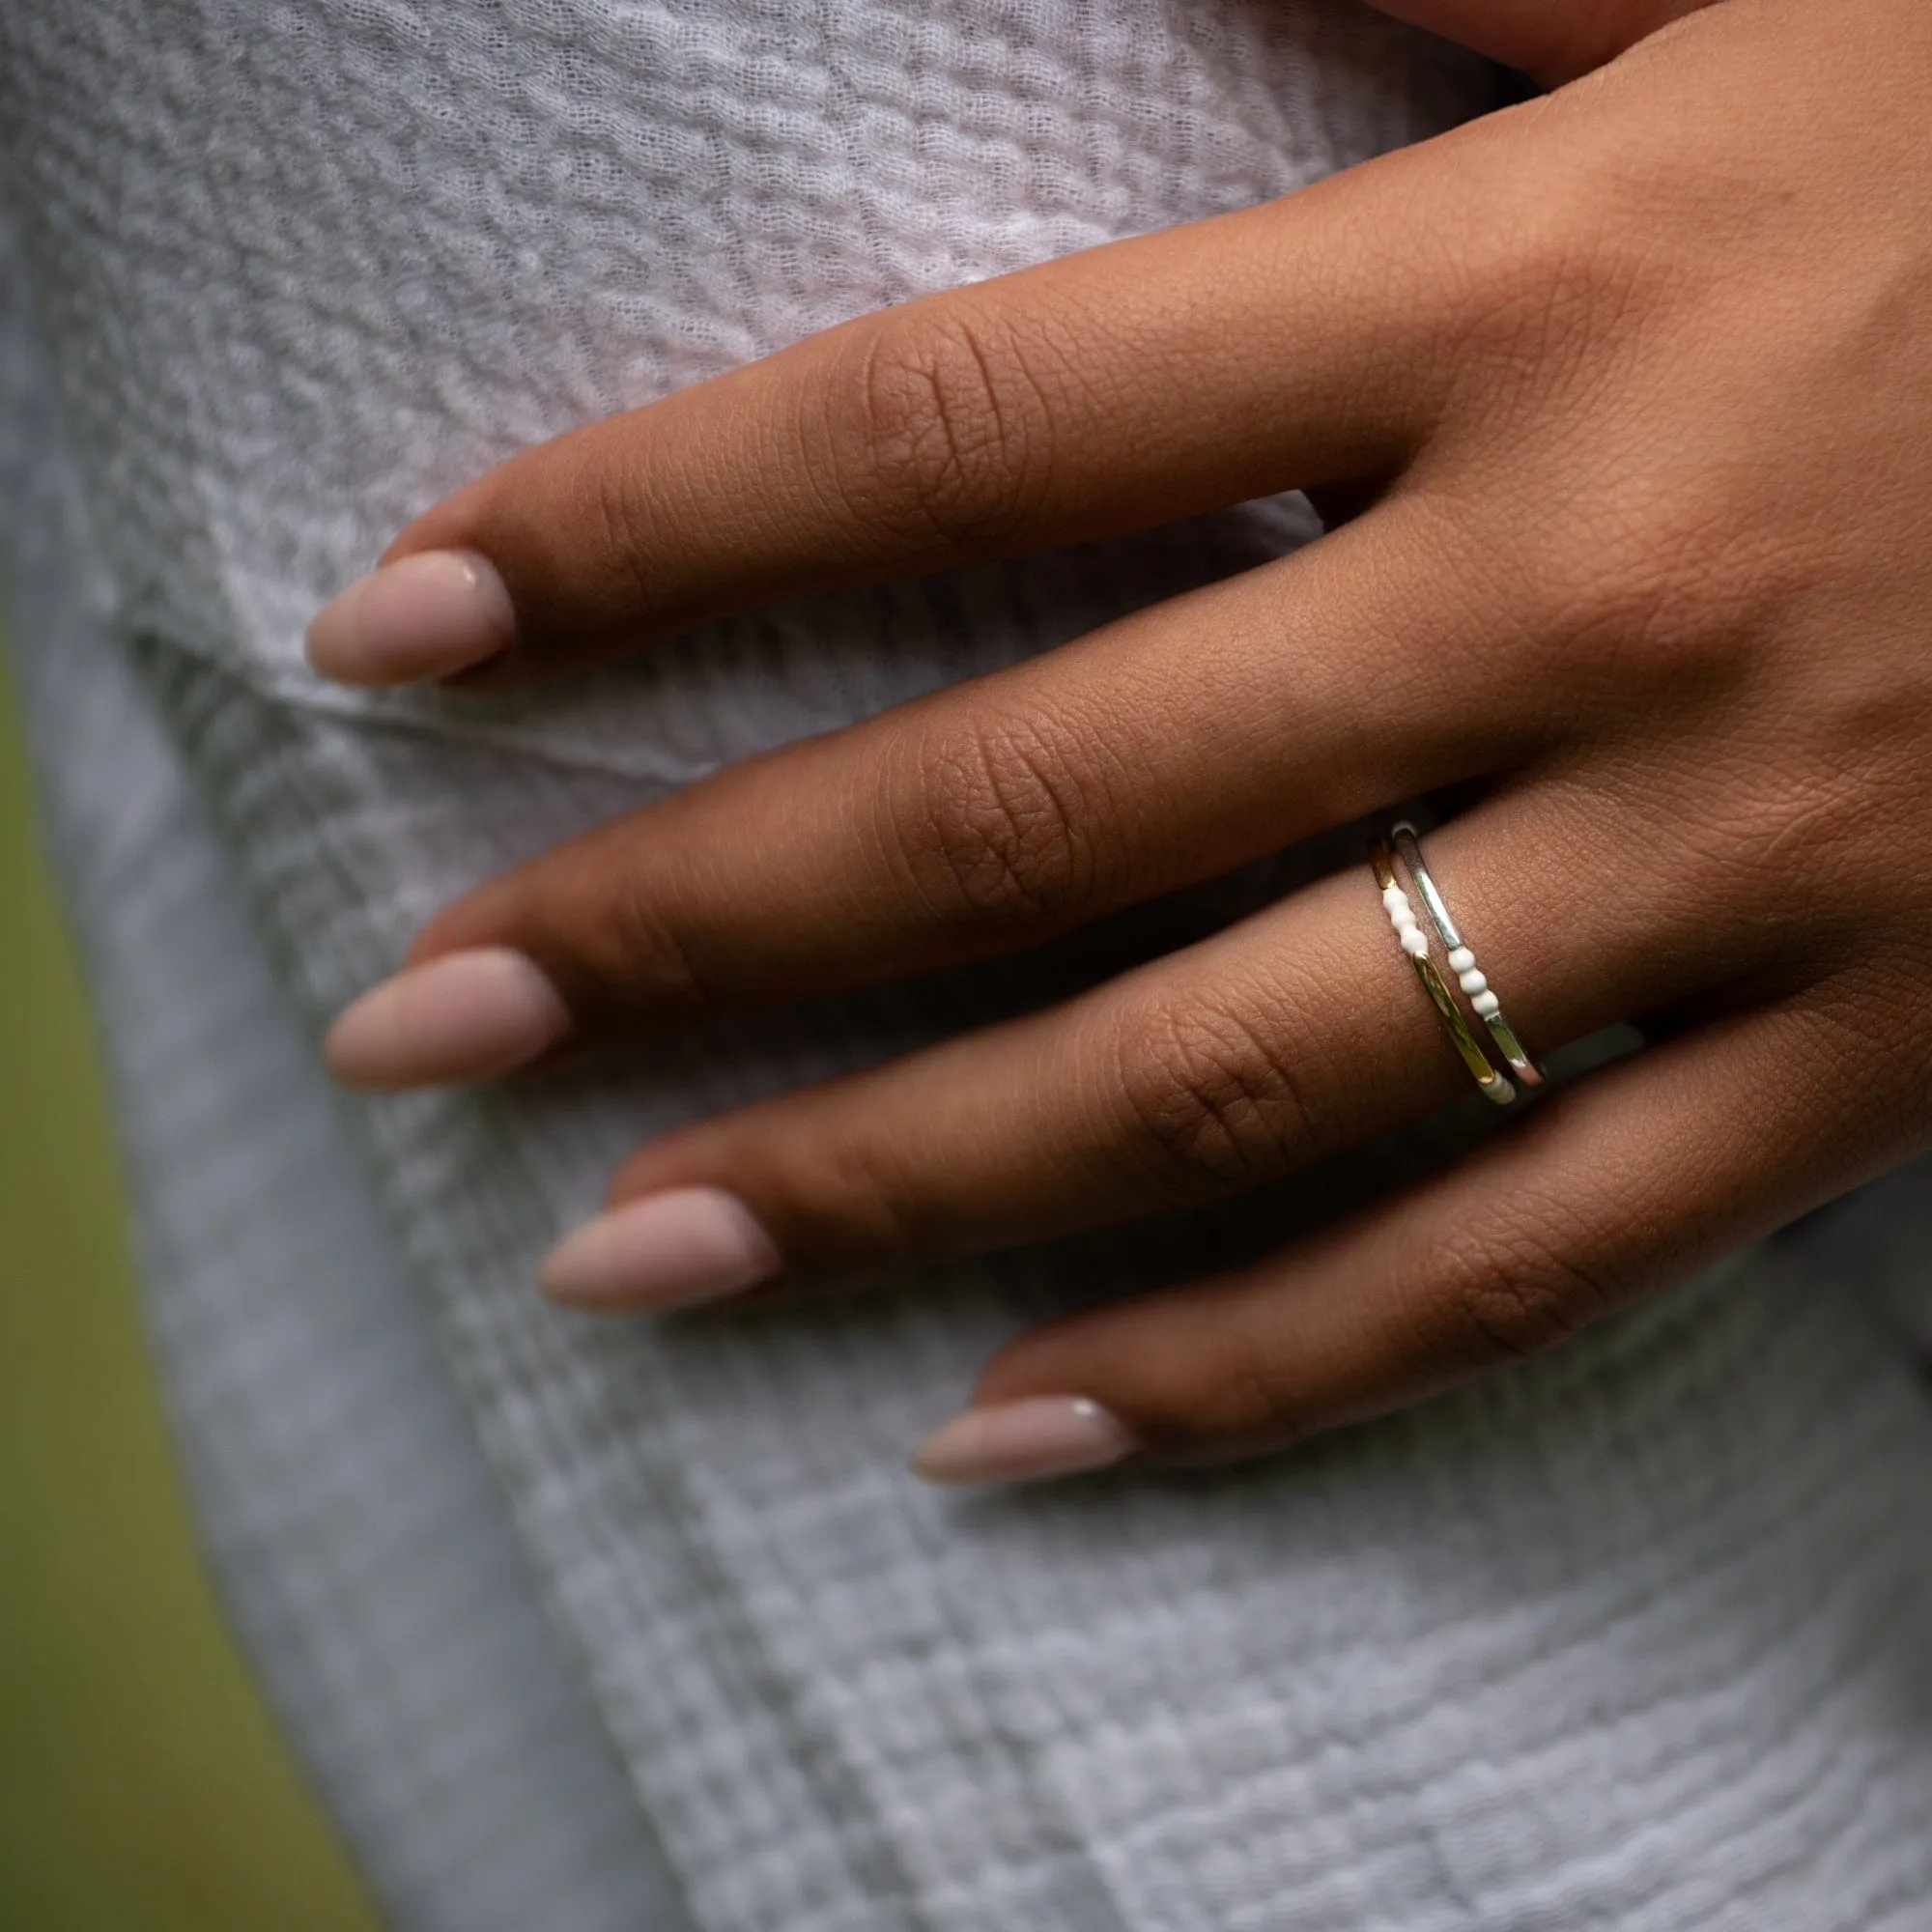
{"x":1462,"y":962}
{"x":1492,"y":1085}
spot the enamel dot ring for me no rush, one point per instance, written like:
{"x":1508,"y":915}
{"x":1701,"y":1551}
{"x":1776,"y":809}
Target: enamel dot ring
{"x":1471,"y":981}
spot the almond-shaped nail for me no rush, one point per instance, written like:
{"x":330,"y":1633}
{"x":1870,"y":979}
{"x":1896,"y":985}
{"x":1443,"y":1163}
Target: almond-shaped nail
{"x":466,"y":1016}
{"x":426,"y":615}
{"x":671,"y":1250}
{"x":1015,"y":1441}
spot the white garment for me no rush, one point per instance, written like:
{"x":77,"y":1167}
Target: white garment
{"x":366,"y":1557}
{"x":1632,"y":1637}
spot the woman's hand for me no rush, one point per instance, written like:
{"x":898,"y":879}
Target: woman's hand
{"x":1638,"y":378}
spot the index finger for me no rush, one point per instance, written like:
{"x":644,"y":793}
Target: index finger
{"x":1301,"y":341}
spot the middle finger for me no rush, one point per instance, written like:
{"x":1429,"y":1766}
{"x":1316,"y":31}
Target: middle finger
{"x":1160,"y":750}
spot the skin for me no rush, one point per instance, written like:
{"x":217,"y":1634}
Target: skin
{"x":1635,"y":380}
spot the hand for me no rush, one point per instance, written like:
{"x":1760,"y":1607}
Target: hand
{"x":1637,"y":380}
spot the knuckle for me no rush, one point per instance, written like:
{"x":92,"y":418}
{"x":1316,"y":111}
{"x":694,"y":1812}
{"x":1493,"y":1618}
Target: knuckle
{"x":1234,"y":1393}
{"x":1217,"y":1101}
{"x":649,"y":966}
{"x":1650,"y":591}
{"x":1800,"y":845}
{"x":1550,"y":266}
{"x":613,"y":525}
{"x":1797,"y":857}
{"x":851,"y":1198}
{"x":938,"y":428}
{"x":1513,"y":1292}
{"x":1651,"y":566}
{"x":997,"y":832}
{"x":1255,"y":1393}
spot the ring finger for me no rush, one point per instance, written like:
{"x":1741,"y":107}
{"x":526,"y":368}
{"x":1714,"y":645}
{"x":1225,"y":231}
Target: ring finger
{"x":1295,"y":1034}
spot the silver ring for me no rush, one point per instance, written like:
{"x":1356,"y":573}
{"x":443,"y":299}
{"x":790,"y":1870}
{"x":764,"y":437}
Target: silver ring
{"x":1494,"y":1087}
{"x":1475,"y":986}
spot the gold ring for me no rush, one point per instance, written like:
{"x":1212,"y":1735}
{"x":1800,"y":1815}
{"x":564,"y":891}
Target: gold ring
{"x":1494,"y":1086}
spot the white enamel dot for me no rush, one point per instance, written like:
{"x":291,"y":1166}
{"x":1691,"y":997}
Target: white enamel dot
{"x":1414,"y":942}
{"x":1473,"y":982}
{"x":1461,"y":960}
{"x":1487,"y":1005}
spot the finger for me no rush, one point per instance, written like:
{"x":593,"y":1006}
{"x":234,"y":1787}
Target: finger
{"x":1622,"y":1184}
{"x":1297,"y":1033}
{"x":1303,"y":341}
{"x":998,"y":814}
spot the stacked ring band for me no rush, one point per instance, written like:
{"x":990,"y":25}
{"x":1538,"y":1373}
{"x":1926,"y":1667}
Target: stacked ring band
{"x":1462,"y":962}
{"x":1494,"y":1086}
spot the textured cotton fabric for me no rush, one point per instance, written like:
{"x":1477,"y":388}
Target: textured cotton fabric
{"x":368,"y":1560}
{"x":641,"y":1624}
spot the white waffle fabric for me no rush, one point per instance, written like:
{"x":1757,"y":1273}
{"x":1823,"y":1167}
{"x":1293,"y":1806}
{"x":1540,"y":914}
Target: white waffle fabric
{"x":585,"y":1626}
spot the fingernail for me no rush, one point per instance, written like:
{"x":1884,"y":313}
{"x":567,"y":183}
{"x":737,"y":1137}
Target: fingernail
{"x":1013,"y":1442}
{"x":465,"y":1017}
{"x":421,"y":616}
{"x":671,"y":1250}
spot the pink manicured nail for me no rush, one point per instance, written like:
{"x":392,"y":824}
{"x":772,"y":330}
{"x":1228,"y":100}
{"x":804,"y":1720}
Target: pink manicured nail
{"x":1010,"y":1441}
{"x":668,"y":1250}
{"x":465,"y":1017}
{"x":421,"y":616}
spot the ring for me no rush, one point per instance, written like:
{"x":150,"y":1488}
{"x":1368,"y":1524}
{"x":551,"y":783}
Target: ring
{"x":1415,"y":943}
{"x":1462,"y":962}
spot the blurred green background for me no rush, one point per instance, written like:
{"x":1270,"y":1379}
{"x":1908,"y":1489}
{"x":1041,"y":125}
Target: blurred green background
{"x":141,"y":1788}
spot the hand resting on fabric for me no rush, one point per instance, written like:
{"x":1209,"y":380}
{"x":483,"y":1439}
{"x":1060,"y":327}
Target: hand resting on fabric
{"x":1635,"y":380}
